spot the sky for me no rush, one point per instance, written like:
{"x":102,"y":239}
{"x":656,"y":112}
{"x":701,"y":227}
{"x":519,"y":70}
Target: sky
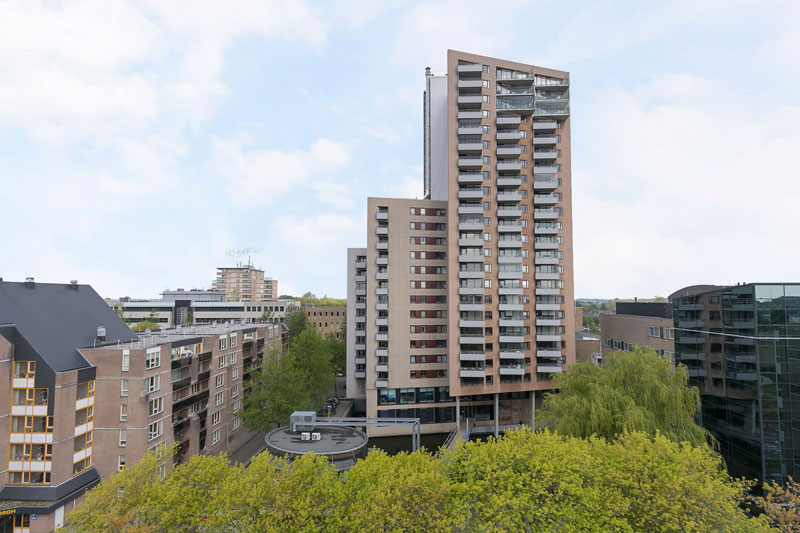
{"x":141,"y":141}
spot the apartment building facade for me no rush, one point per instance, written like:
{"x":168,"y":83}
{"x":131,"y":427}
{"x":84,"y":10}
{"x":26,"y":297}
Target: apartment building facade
{"x":245,"y":284}
{"x":326,"y":319}
{"x":87,"y":396}
{"x":472,"y":291}
{"x":741,"y":346}
{"x":646,"y":324}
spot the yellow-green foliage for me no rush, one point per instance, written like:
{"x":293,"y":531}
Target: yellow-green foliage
{"x":631,"y":391}
{"x":522,"y":482}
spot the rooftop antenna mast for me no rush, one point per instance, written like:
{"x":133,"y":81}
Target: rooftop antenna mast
{"x":237,"y":253}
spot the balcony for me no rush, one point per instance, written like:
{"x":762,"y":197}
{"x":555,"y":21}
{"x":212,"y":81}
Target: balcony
{"x":470,"y":274}
{"x":470,"y":226}
{"x":510,"y":290}
{"x":543,"y":155}
{"x":470,"y":177}
{"x":470,"y":114}
{"x":470,"y":68}
{"x":548,"y":369}
{"x":546,"y":231}
{"x":381,"y":321}
{"x":467,"y":355}
{"x":382,"y":352}
{"x":548,"y":307}
{"x":361,"y":264}
{"x":548,"y":338}
{"x":470,"y":147}
{"x":512,"y":370}
{"x":508,"y":213}
{"x":381,"y":215}
{"x":471,"y":307}
{"x":509,"y":259}
{"x":510,"y":307}
{"x":545,"y":140}
{"x":545,"y":214}
{"x":699,"y":372}
{"x":382,"y":337}
{"x":381,"y":368}
{"x":360,"y":374}
{"x":470,"y":258}
{"x":381,"y":383}
{"x":509,"y":228}
{"x":360,"y":360}
{"x":547,"y":275}
{"x":544,"y":125}
{"x":509,"y":165}
{"x":691,"y":324}
{"x":472,"y":373}
{"x":506,"y":181}
{"x":381,"y":260}
{"x":548,"y":292}
{"x":382,"y":246}
{"x":514,"y":150}
{"x":545,"y":183}
{"x":470,"y":84}
{"x":509,"y":136}
{"x":697,"y":356}
{"x":470,"y":210}
{"x":510,"y":243}
{"x":382,"y":230}
{"x":511,"y":338}
{"x":382,"y":291}
{"x":361,"y":318}
{"x":470,"y":242}
{"x":512,"y":355}
{"x":381,"y":306}
{"x":477,"y":130}
{"x":509,"y":197}
{"x":361,"y":278}
{"x":466,"y":291}
{"x":472,"y":162}
{"x":470,"y":194}
{"x":551,"y":108}
{"x":508,"y":121}
{"x":470,"y":323}
{"x":470,"y":338}
{"x":470,"y":101}
{"x":545,"y":169}
{"x":545,"y":199}
{"x":548,"y":353}
{"x":382,"y":276}
{"x":548,"y":322}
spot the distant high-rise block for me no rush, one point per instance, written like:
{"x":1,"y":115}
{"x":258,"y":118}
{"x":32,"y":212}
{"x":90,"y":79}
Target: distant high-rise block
{"x":245,"y":284}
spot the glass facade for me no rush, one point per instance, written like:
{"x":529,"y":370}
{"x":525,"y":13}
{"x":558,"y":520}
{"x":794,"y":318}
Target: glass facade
{"x":741,"y":349}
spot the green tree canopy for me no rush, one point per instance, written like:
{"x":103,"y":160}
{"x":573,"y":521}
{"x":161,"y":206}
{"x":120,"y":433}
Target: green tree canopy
{"x":296,"y":322}
{"x":312,"y":359}
{"x":631,"y":391}
{"x":337,"y":351}
{"x":277,"y":390}
{"x":523,"y":481}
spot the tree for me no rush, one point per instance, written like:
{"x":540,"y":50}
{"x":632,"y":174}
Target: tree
{"x":631,"y":391}
{"x":120,"y":313}
{"x":266,"y":316}
{"x":311,"y":357}
{"x":296,"y":322}
{"x":337,"y":350}
{"x":277,"y":390}
{"x":781,"y":503}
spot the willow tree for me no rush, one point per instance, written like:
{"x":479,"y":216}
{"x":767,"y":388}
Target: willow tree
{"x":631,"y":391}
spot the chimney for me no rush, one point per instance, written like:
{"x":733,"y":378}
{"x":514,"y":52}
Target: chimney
{"x":73,"y":284}
{"x":29,"y":282}
{"x":101,"y":333}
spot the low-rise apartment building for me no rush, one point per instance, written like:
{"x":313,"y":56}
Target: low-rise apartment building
{"x":638,"y":324}
{"x":326,"y":319}
{"x":87,"y":396}
{"x":169,"y":314}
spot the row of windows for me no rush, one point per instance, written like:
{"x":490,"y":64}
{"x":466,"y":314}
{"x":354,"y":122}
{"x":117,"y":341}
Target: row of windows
{"x":661,"y":333}
{"x":431,"y":226}
{"x":427,"y":374}
{"x":324,"y":313}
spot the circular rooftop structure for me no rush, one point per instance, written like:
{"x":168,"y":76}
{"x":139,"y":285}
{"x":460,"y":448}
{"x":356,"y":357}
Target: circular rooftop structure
{"x":342,"y":445}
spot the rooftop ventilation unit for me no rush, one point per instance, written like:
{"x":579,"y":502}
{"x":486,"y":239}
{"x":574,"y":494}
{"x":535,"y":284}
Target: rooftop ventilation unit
{"x":101,"y":333}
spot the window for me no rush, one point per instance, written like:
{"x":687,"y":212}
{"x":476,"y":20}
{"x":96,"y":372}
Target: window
{"x":156,"y":406}
{"x":153,"y":359}
{"x":219,"y":380}
{"x":221,"y":361}
{"x":234,"y":339}
{"x":234,"y":391}
{"x":120,"y":463}
{"x":487,"y":159}
{"x":236,"y":405}
{"x":233,"y":358}
{"x":236,"y":423}
{"x":153,"y":383}
{"x":123,"y":412}
{"x":215,"y":436}
{"x":155,"y":430}
{"x":123,"y":438}
{"x":653,"y":331}
{"x":223,"y":342}
{"x":219,"y":398}
{"x":123,"y":387}
{"x":126,"y":361}
{"x":215,"y":417}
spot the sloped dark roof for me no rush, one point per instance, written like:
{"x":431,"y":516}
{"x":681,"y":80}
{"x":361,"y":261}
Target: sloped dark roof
{"x":57,"y":319}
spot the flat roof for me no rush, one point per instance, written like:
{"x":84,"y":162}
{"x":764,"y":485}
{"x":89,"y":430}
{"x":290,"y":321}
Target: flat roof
{"x":335,"y":440}
{"x":173,"y":335}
